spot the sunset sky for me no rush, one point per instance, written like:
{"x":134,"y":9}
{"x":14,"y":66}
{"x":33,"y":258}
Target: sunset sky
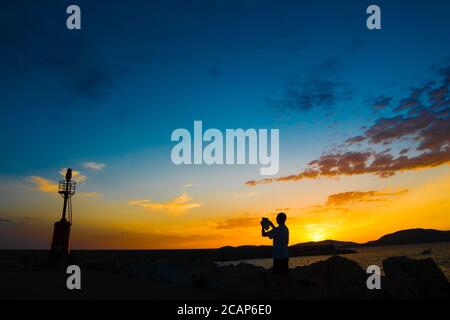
{"x":363,"y":118}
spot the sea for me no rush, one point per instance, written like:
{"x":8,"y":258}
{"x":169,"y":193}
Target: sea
{"x":366,"y":256}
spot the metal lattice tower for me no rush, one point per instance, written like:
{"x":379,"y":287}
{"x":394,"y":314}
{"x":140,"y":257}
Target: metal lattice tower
{"x":61,"y":233}
{"x":67,"y":190}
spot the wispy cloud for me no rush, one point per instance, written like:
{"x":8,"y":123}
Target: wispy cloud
{"x":351,"y":197}
{"x":177,"y":205}
{"x":51,"y":186}
{"x":423,"y":122}
{"x":239,"y":222}
{"x":96,"y":166}
{"x":45,"y":185}
{"x":321,"y":89}
{"x":282,"y":209}
{"x":340,"y":202}
{"x":381,"y":102}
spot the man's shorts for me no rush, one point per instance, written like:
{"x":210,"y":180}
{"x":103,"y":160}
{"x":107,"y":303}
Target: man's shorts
{"x":280,"y":266}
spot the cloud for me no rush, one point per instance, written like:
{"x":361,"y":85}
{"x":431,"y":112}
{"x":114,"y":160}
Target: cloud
{"x":50,"y":186}
{"x":45,"y":185}
{"x":3,"y":220}
{"x":320,"y":90}
{"x":177,"y":205}
{"x":96,"y":166}
{"x":237,"y":223}
{"x":282,"y":209}
{"x":75,"y":62}
{"x":351,"y":197}
{"x":425,"y":125}
{"x":388,"y":130}
{"x":340,"y":202}
{"x":354,"y":163}
{"x":381,"y":102}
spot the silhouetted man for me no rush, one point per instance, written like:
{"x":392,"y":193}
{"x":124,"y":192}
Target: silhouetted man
{"x":280,"y":237}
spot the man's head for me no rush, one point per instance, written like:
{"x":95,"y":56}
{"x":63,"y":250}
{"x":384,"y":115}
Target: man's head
{"x":281,"y":218}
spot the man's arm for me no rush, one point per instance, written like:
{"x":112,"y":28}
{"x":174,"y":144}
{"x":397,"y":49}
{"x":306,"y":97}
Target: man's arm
{"x":269,"y":233}
{"x":263,"y":231}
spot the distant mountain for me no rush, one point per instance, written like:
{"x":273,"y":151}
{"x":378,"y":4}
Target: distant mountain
{"x":258,"y":252}
{"x":411,"y":236}
{"x":330,"y":247}
{"x":335,"y":243}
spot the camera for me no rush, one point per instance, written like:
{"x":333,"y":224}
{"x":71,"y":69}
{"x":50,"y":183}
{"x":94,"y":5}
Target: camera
{"x":265,"y":222}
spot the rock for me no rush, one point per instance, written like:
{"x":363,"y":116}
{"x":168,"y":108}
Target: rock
{"x":415,"y":279}
{"x":334,"y":278}
{"x":243,"y":281}
{"x":186,"y":272}
{"x":334,"y":272}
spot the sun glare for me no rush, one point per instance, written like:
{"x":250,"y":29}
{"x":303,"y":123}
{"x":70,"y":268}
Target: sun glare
{"x":317,"y":235}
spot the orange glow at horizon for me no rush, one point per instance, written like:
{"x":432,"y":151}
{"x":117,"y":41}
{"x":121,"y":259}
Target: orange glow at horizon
{"x":102,"y":223}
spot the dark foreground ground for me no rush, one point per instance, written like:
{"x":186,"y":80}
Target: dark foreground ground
{"x":193,"y":275}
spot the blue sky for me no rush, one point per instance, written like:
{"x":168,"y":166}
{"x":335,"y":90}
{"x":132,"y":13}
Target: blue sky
{"x":137,"y":71}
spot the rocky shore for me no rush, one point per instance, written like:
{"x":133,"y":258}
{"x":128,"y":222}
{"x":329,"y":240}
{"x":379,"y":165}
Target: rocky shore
{"x":189,"y":277}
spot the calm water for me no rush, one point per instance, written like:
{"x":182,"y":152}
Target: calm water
{"x":374,"y":255}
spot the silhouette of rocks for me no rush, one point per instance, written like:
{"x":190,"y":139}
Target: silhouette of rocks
{"x":415,"y":279}
{"x":185,"y":276}
{"x":334,"y":278}
{"x":180,"y":272}
{"x":243,"y":281}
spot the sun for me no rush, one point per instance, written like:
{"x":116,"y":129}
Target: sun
{"x":317,"y":236}
{"x":317,"y":233}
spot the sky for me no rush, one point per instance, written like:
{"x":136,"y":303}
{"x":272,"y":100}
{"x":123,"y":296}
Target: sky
{"x":362,"y":116}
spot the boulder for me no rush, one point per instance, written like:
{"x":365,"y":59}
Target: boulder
{"x":415,"y":279}
{"x":243,"y":281}
{"x":180,"y":272}
{"x":334,"y":278}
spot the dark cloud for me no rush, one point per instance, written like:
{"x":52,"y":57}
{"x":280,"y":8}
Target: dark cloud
{"x":426,"y":125}
{"x":321,"y":90}
{"x":34,"y":47}
{"x":381,"y":102}
{"x":3,"y":220}
{"x":355,"y":139}
{"x":354,"y":163}
{"x":386,"y":130}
